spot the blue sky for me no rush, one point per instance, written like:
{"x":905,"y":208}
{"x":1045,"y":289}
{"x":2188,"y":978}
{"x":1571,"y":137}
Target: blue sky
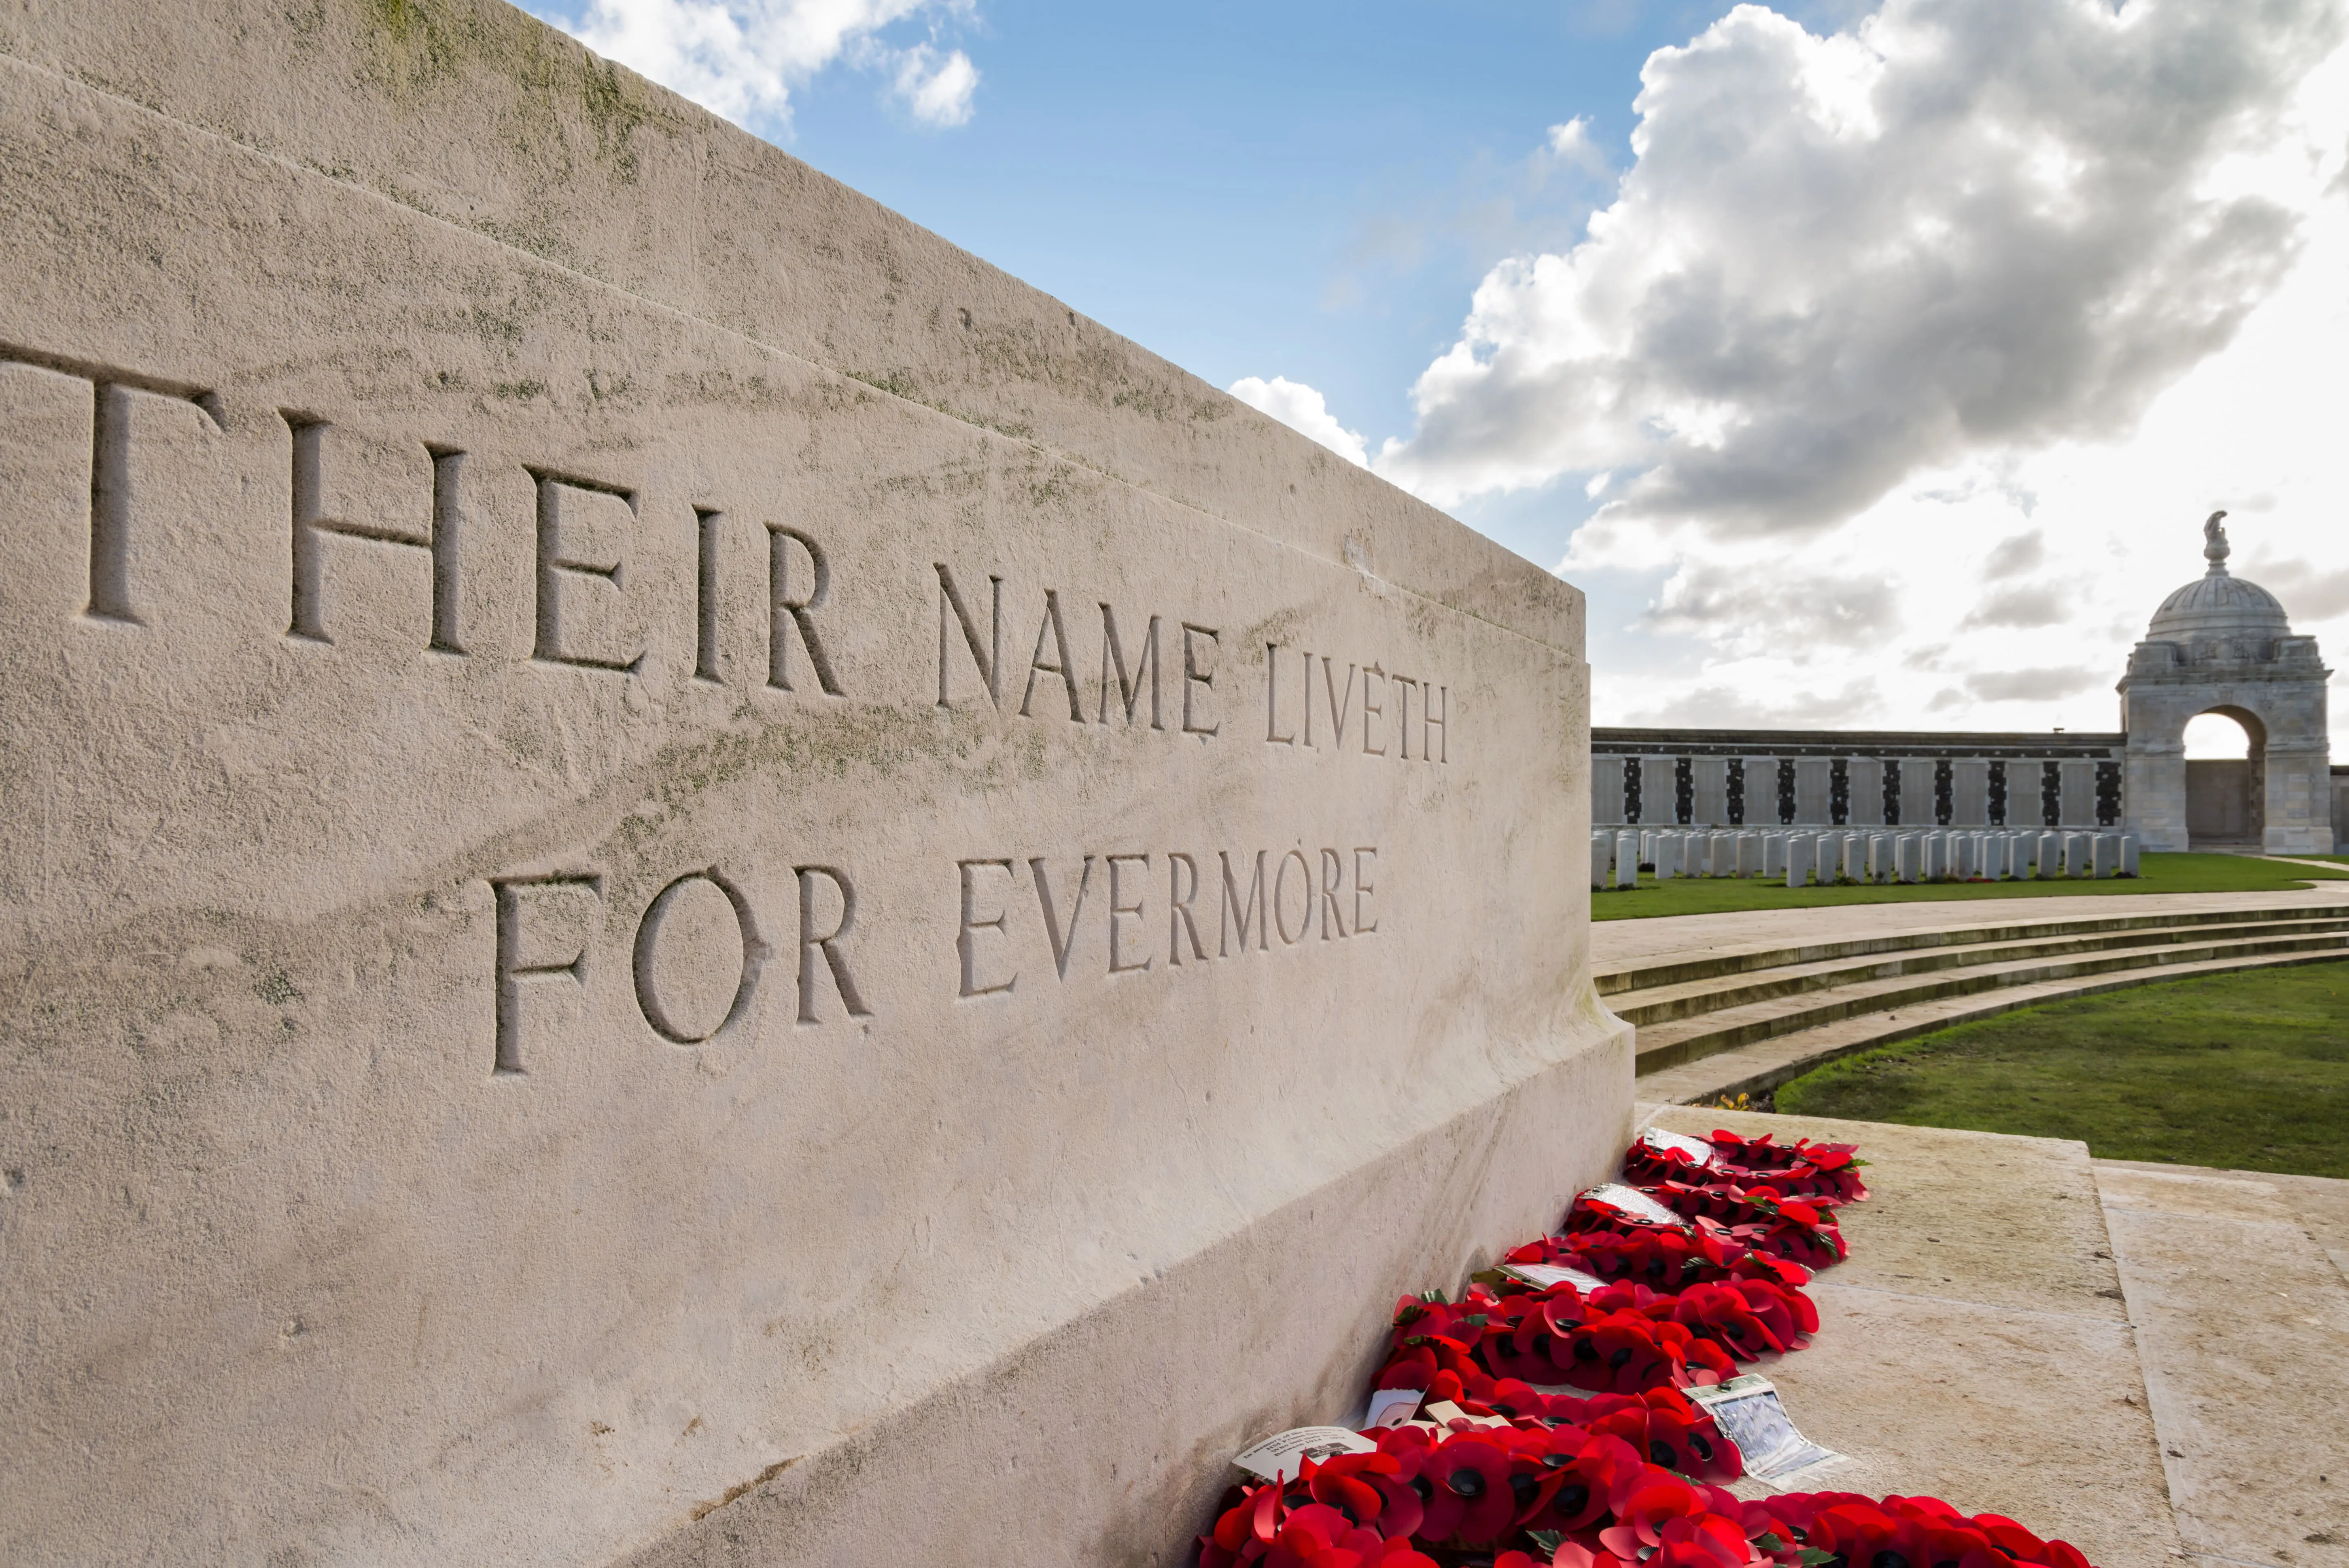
{"x":1913,"y":342}
{"x":1304,"y":189}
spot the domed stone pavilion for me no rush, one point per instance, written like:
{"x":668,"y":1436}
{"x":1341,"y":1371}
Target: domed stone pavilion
{"x":2221,"y":645}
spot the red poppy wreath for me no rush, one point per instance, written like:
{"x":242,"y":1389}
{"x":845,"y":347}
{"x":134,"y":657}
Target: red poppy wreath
{"x":1556,"y":1429}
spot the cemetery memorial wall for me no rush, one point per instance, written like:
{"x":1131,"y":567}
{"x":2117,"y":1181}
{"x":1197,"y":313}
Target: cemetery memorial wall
{"x":686,"y":878}
{"x":1824,"y":778}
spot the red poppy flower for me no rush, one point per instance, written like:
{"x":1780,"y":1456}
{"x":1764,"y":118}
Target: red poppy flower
{"x":1466,"y":1492}
{"x":1641,"y":1505}
{"x":1344,"y":1482}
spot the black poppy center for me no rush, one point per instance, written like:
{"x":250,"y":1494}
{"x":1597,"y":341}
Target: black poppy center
{"x":1572,"y":1499}
{"x":1620,"y":1358}
{"x":1888,"y":1558}
{"x":1526,"y":1489}
{"x":1468,"y":1483}
{"x":1663,"y":1455}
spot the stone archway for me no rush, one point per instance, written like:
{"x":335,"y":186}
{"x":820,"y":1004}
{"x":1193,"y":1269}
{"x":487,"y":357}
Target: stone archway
{"x":2221,"y":645}
{"x":2225,"y":797}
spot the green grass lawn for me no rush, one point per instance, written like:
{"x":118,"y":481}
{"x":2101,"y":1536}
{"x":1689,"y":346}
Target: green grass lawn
{"x":2247,"y":1071}
{"x":2160,"y":873}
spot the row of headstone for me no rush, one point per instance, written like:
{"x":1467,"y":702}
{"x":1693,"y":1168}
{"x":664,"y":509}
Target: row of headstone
{"x":1869,"y":855}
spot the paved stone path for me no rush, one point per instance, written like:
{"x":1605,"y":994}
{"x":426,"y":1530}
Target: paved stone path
{"x":2147,"y":1361}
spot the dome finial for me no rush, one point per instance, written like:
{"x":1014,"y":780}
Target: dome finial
{"x":2214,"y":544}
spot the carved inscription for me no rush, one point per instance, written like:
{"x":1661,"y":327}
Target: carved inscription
{"x":1388,"y":714}
{"x":547,"y":928}
{"x":1055,"y":679}
{"x":698,"y":958}
{"x":1220,"y":906}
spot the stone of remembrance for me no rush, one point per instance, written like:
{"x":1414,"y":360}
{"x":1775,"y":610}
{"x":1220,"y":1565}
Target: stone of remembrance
{"x":685,"y":878}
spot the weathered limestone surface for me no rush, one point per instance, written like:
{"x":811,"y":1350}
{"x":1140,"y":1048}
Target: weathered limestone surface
{"x":604,"y":952}
{"x":2245,"y":1325}
{"x":1974,"y":1346}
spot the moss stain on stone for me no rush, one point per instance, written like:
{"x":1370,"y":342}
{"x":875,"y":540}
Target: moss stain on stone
{"x":617,"y":109}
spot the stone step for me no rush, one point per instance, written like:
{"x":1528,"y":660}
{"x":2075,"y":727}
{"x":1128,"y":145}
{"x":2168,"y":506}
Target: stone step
{"x":1759,"y":1067}
{"x":1671,"y":1044}
{"x":1741,"y":960}
{"x":1692,"y":998}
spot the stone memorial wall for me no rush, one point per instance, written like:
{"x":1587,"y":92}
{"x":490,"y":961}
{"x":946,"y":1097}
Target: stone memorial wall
{"x":686,"y":879}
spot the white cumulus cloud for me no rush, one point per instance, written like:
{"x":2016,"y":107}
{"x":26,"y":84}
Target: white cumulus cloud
{"x":937,"y":88}
{"x":1961,"y":225}
{"x":1908,"y":358}
{"x":744,"y":58}
{"x":1302,"y":409}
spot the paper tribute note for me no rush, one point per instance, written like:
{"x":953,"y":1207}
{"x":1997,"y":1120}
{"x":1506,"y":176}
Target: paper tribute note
{"x":1391,"y":1406}
{"x":1283,"y":1455}
{"x":1696,"y":1148}
{"x":1541,"y":1277}
{"x":1749,"y":1413}
{"x":1636,"y":1203}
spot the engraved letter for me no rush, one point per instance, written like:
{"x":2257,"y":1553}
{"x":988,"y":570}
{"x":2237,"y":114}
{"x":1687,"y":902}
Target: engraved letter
{"x":709,"y":532}
{"x":1338,"y":708}
{"x":964,"y":944}
{"x":1427,"y":721}
{"x":1193,"y":678}
{"x":1063,"y":937}
{"x":1333,"y":879}
{"x":1308,"y":700}
{"x":309,"y":616}
{"x":1242,"y":912}
{"x":754,"y":952}
{"x":1182,"y":887}
{"x":810,"y":944}
{"x":1371,"y":710}
{"x":1113,"y":652}
{"x":1051,"y":627}
{"x":109,"y":505}
{"x":517,"y":961}
{"x":1363,"y":890}
{"x":559,"y":557}
{"x":989,"y":662}
{"x":785,"y":611}
{"x":1402,"y":717}
{"x":109,"y":468}
{"x":1272,"y":698}
{"x":1118,"y":906}
{"x":1305,"y":891}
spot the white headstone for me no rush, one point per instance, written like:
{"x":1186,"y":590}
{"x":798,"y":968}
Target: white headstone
{"x":2078,"y":854}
